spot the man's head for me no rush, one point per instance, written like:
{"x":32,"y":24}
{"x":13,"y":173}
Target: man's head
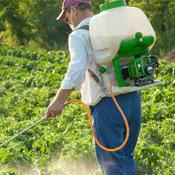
{"x":74,"y":11}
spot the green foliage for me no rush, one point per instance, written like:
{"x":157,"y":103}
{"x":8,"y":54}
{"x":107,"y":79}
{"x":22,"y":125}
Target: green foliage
{"x":9,"y":172}
{"x":29,"y":79}
{"x":32,"y":22}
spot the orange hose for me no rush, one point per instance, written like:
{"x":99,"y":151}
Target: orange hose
{"x":92,"y":129}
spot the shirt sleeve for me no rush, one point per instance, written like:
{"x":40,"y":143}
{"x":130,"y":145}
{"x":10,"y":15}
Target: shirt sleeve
{"x":77,"y":67}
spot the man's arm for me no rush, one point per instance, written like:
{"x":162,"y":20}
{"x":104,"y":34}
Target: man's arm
{"x":56,"y":106}
{"x":74,"y":77}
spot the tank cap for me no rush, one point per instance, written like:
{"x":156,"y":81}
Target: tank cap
{"x":114,"y":4}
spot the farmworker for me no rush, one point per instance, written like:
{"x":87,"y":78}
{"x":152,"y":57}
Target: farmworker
{"x":108,"y":123}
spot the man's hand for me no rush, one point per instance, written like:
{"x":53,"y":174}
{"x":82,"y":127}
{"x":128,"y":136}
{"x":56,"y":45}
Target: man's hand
{"x":56,"y":106}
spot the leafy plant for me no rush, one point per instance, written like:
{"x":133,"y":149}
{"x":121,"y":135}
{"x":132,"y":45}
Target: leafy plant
{"x":29,"y":79}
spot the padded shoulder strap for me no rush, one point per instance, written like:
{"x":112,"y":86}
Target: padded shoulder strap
{"x":93,"y":75}
{"x":85,"y":27}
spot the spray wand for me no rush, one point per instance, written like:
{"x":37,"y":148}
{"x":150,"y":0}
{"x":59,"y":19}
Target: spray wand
{"x":16,"y":135}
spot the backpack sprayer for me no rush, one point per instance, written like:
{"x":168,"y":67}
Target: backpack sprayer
{"x":137,"y":71}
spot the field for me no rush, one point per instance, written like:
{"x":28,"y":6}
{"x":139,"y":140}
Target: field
{"x":29,"y":79}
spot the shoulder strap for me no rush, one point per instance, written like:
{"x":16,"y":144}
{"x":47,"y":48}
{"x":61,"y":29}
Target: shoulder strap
{"x":93,"y":75}
{"x":85,"y":27}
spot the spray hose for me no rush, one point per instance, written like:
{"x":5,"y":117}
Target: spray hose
{"x":92,"y":129}
{"x":90,"y":122}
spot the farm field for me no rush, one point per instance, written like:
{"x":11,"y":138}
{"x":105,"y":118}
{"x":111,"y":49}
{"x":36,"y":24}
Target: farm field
{"x":29,"y":79}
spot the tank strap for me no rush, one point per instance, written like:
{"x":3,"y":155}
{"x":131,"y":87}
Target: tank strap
{"x":92,"y":74}
{"x":85,"y":27}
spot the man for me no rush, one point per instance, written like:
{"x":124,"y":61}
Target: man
{"x":108,"y":123}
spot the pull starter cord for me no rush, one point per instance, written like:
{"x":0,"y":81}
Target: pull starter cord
{"x":90,"y":122}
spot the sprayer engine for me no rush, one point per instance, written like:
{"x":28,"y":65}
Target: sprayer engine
{"x":141,"y":69}
{"x":140,"y":66}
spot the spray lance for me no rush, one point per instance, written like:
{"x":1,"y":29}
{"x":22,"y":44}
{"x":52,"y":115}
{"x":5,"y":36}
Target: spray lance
{"x":90,"y":122}
{"x":16,"y":135}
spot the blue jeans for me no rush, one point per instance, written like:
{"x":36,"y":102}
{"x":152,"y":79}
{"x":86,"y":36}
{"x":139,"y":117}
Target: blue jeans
{"x":110,"y":131}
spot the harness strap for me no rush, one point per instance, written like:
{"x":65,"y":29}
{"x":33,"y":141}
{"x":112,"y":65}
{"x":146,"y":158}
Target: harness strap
{"x":85,"y":27}
{"x":92,"y":74}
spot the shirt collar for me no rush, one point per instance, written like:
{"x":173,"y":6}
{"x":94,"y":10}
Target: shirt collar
{"x":84,"y":22}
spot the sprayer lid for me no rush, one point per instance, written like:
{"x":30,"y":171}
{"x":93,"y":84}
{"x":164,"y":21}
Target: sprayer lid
{"x":110,"y":5}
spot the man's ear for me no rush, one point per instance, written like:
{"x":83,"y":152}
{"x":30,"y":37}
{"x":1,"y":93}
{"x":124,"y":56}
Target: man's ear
{"x":74,"y":11}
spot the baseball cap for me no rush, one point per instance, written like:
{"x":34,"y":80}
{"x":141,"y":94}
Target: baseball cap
{"x":68,"y":3}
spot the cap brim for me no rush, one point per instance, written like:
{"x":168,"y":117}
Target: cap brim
{"x":61,"y":16}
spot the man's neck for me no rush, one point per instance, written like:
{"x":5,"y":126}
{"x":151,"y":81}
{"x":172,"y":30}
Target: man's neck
{"x":86,"y":15}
